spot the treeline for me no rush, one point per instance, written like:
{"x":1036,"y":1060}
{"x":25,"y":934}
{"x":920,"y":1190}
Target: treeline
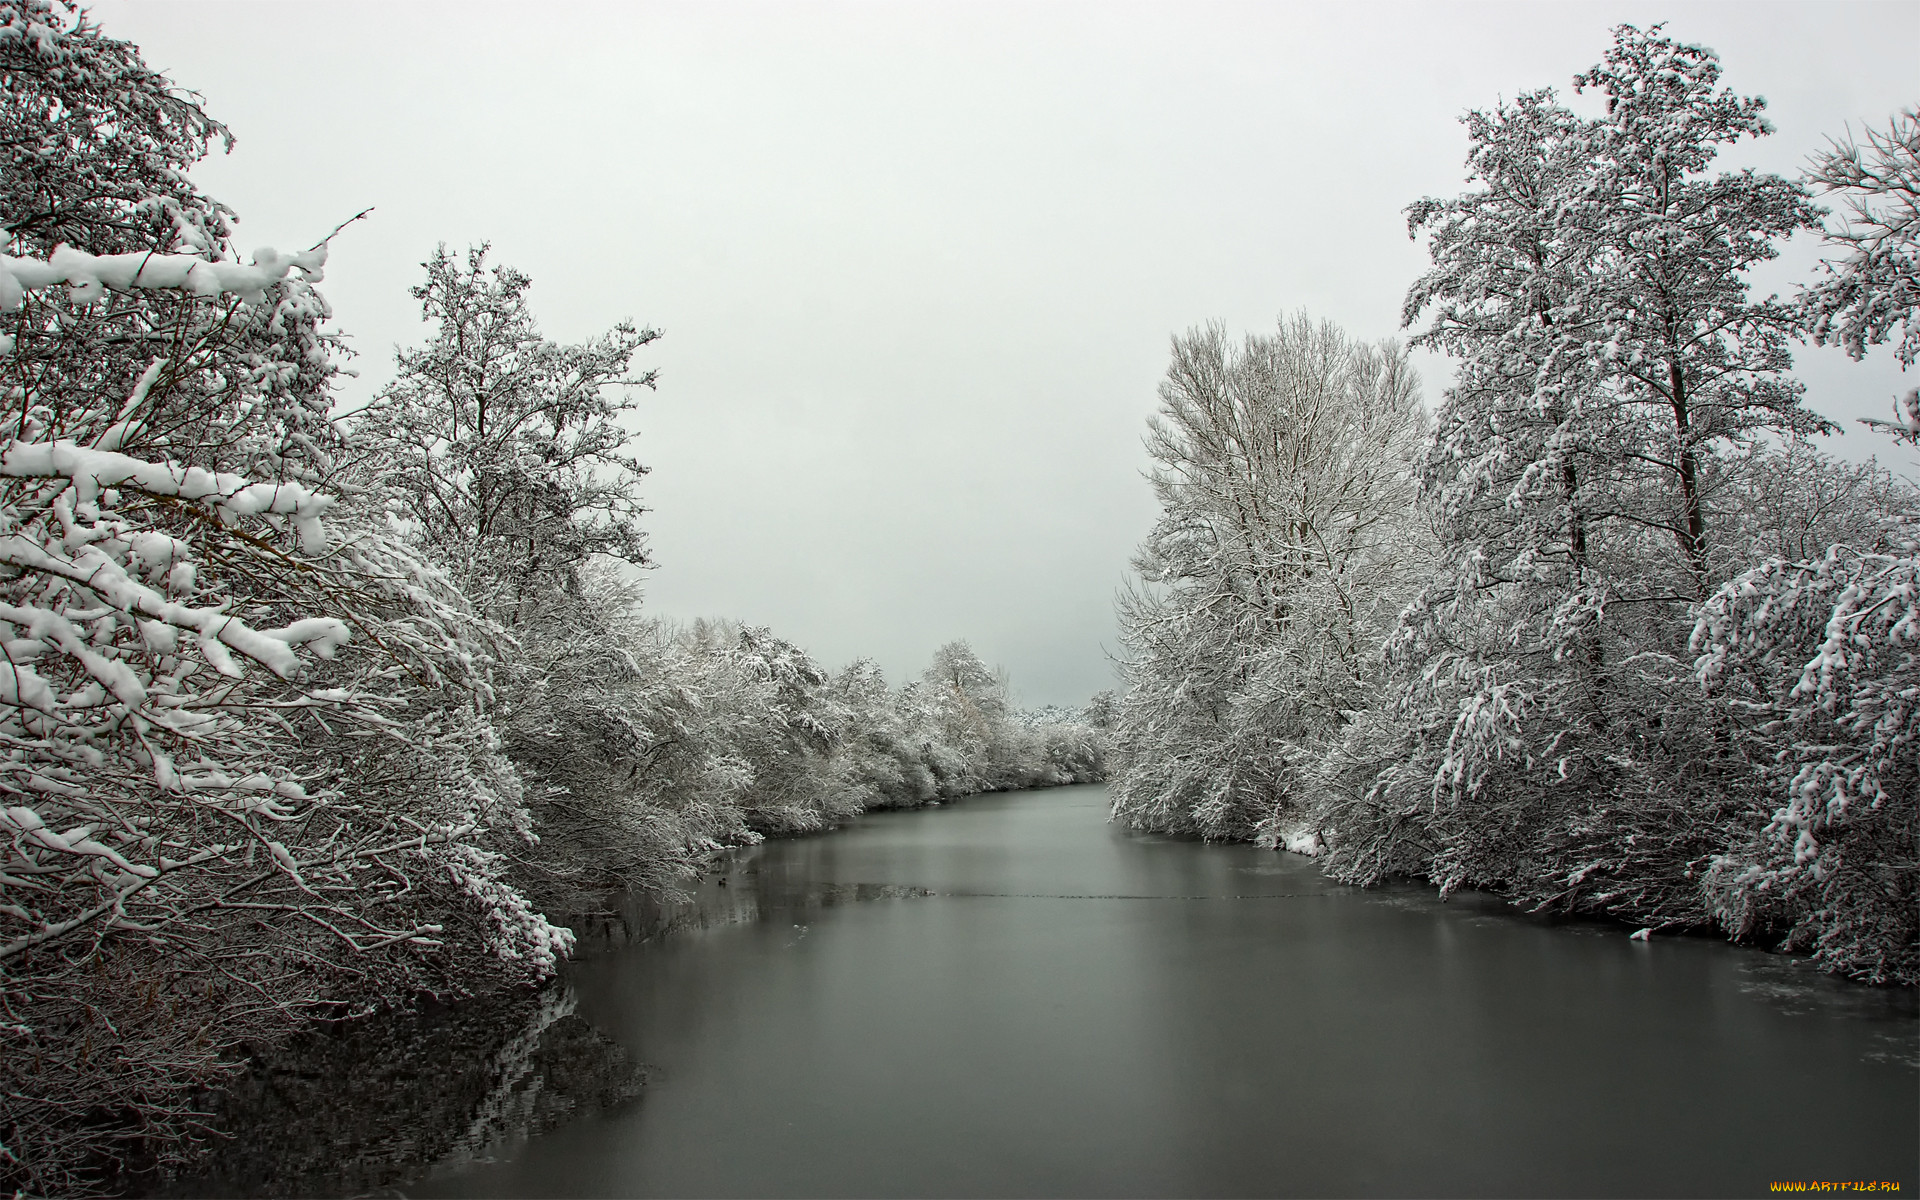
{"x":1605,"y":634}
{"x":303,"y":717}
{"x":652,"y":747}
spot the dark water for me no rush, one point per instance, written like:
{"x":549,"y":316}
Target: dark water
{"x":1009,"y":997}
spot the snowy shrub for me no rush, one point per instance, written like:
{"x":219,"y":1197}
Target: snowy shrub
{"x":1822,"y":657}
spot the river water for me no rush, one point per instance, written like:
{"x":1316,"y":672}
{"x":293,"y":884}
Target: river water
{"x":1009,"y":997}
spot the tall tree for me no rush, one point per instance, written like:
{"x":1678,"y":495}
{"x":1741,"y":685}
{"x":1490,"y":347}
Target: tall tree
{"x":504,"y":458}
{"x":1546,"y":738}
{"x":1595,"y":285}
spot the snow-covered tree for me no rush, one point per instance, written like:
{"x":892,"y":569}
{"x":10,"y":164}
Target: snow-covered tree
{"x":1858,"y":300}
{"x":503,"y":457}
{"x":800,"y":782}
{"x":249,"y":775}
{"x":598,"y":714}
{"x":1284,"y":467}
{"x":1060,"y":745}
{"x":1543,"y":736}
{"x":1792,"y":501}
{"x":1594,"y":286}
{"x":1822,"y":657}
{"x":94,"y":150}
{"x":1662,"y":309}
{"x":963,"y":702}
{"x":883,"y":746}
{"x":507,"y":452}
{"x":957,"y":670}
{"x":227,"y":698}
{"x":1818,"y":649}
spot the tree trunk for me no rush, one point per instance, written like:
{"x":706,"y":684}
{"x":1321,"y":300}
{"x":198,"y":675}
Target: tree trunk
{"x":1693,"y":532}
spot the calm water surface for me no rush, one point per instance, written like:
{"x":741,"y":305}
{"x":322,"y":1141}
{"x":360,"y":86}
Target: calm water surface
{"x":1010,"y":997}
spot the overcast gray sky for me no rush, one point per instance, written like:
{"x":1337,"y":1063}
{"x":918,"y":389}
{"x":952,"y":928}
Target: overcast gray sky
{"x":917,"y":264}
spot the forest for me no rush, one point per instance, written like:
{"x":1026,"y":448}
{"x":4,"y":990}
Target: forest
{"x":312,"y":714}
{"x":308,"y":715}
{"x":1604,"y":633}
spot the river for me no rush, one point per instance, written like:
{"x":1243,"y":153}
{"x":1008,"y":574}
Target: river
{"x":1008,"y":996}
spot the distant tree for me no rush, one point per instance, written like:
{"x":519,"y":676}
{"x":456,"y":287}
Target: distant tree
{"x":1284,"y":467}
{"x":1099,"y":712}
{"x":958,"y":669}
{"x":964,"y":702}
{"x":884,"y":753}
{"x":1791,"y":501}
{"x":1056,"y":745}
{"x":800,"y":779}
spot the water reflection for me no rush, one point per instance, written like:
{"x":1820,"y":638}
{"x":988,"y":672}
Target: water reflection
{"x":363,"y":1108}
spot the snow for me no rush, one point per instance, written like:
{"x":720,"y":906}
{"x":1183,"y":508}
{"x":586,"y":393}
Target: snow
{"x":88,"y":276}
